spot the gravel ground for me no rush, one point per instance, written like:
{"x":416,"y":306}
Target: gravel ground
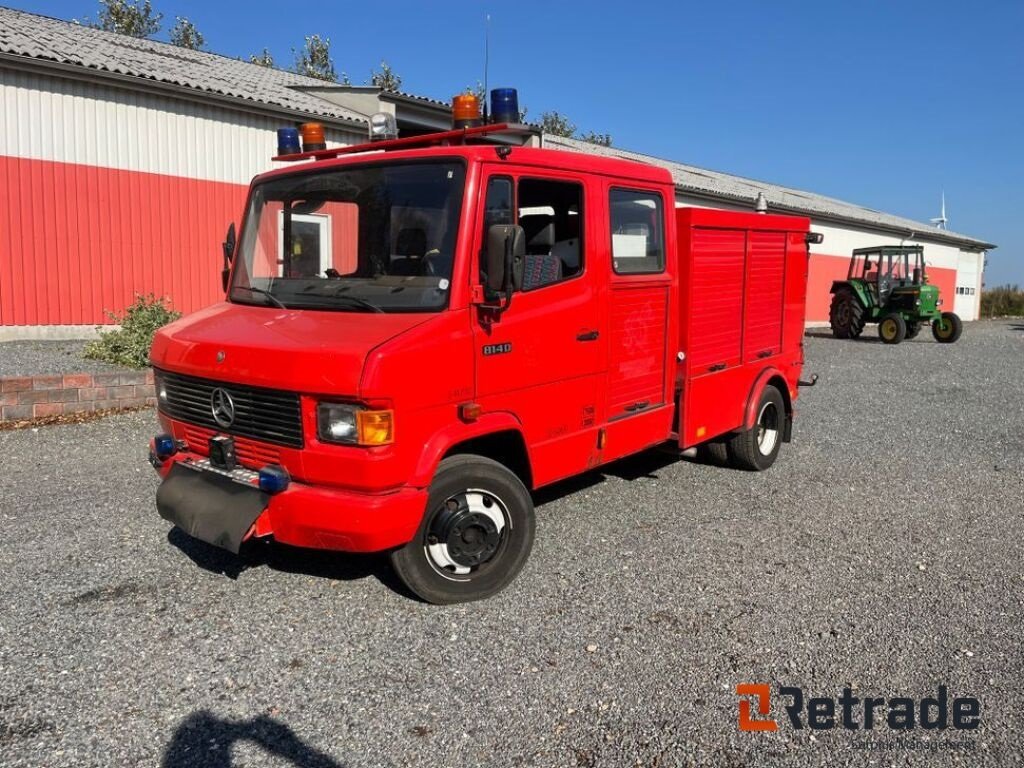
{"x":29,"y":358}
{"x":883,"y":551}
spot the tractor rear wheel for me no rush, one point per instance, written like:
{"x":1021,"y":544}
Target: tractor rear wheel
{"x":892,"y":329}
{"x":756,"y":449}
{"x":947,"y":328}
{"x":846,"y":315}
{"x":912,"y":330}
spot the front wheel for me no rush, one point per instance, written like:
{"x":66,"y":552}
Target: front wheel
{"x":756,"y":449}
{"x":912,"y":330}
{"x":947,"y":328}
{"x":892,"y":329}
{"x":476,"y":533}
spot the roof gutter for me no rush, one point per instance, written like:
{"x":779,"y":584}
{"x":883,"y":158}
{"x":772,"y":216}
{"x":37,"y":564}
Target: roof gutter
{"x":929,"y":236}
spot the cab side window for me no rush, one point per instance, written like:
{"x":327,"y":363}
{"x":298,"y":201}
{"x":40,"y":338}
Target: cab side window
{"x":638,"y":232}
{"x":551,"y":215}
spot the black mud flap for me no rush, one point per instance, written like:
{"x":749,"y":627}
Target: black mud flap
{"x":209,"y":506}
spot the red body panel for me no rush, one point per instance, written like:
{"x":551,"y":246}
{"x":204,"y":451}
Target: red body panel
{"x":744,"y":280}
{"x":592,"y":369}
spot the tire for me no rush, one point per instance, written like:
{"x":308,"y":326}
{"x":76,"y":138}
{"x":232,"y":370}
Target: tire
{"x":716,"y":453}
{"x":476,"y":534}
{"x":846,"y":315}
{"x":947,"y":328}
{"x":912,"y":330}
{"x":756,"y":449}
{"x":892,"y":329}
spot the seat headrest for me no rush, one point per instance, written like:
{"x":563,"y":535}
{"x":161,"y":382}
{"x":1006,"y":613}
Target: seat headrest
{"x":539,"y":229}
{"x":411,"y":241}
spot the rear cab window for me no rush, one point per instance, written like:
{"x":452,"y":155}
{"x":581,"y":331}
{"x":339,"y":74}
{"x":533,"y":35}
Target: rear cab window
{"x":637,"y":231}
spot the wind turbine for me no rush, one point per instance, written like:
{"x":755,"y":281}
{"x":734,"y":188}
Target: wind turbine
{"x":940,"y":222}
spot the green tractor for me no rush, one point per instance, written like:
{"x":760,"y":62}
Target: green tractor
{"x":887,"y":285}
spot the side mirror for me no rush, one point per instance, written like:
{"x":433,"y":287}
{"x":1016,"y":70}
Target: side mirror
{"x":506,"y":247}
{"x":229,"y":244}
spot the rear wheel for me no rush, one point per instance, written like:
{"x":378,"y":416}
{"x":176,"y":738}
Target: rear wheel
{"x":947,"y":328}
{"x":476,"y":534}
{"x":756,"y":449}
{"x":846,"y":315}
{"x":912,"y":330}
{"x":892,"y":329}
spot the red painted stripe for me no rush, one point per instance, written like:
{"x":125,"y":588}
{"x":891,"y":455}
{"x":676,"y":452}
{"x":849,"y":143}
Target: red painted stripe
{"x":79,"y":240}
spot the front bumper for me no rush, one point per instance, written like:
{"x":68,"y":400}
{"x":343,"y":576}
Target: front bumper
{"x":225,"y":509}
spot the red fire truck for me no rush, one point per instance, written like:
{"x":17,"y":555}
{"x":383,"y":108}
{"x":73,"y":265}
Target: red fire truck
{"x":418,"y":332}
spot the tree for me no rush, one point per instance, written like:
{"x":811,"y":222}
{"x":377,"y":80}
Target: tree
{"x":128,"y":17}
{"x":264,"y":59}
{"x":557,"y":124}
{"x":387,"y":79}
{"x":314,"y":60}
{"x":185,"y":35}
{"x":603,"y":139}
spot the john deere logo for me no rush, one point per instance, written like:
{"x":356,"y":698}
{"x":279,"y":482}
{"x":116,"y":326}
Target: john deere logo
{"x":222,"y":407}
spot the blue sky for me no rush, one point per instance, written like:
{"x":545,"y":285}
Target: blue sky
{"x":881,"y":103}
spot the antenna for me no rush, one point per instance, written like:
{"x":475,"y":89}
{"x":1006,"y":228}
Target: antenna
{"x":487,"y":57}
{"x":940,"y":220}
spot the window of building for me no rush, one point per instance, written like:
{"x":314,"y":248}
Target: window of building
{"x":638,"y":232}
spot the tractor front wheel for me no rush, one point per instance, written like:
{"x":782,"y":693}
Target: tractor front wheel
{"x":892,"y":329}
{"x":947,"y":328}
{"x":846,"y":315}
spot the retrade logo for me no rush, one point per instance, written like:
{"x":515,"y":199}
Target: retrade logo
{"x":898,"y":713}
{"x":222,"y":407}
{"x":762,"y":694}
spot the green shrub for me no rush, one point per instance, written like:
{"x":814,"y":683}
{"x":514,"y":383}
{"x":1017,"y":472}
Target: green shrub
{"x":129,"y":345}
{"x":1004,"y":301}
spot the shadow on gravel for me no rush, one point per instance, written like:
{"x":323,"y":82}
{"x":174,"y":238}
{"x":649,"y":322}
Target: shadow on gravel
{"x":339,"y":566}
{"x":206,"y":741}
{"x":632,"y":468}
{"x":825,"y":333}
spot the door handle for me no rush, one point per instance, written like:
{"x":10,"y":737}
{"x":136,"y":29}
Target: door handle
{"x":764,"y":353}
{"x":587,"y":336}
{"x":637,"y":406}
{"x":717,"y":367}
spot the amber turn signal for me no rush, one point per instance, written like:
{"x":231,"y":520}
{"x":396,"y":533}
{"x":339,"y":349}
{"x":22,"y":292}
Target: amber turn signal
{"x":375,"y":427}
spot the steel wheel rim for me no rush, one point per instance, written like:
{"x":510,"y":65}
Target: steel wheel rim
{"x":767,"y":429}
{"x":889,"y":329}
{"x":484,"y":513}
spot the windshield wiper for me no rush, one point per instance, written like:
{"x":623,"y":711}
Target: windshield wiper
{"x":262,"y":292}
{"x":357,"y":302}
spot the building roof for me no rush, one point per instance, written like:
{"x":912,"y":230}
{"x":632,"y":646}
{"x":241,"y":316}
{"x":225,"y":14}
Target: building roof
{"x":715,"y":185}
{"x":45,"y":39}
{"x":53,"y":40}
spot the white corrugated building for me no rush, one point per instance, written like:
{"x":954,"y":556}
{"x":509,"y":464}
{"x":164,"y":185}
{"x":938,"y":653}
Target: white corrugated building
{"x":122,"y":160}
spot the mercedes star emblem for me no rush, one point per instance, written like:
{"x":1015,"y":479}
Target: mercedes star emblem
{"x":223,"y":407}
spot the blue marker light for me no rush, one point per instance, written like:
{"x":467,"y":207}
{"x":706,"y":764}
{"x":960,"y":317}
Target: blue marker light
{"x":273,"y":479}
{"x":288,"y":141}
{"x":504,"y":105}
{"x":164,"y":446}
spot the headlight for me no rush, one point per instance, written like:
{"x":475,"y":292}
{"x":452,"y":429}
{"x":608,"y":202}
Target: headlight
{"x":354,"y":424}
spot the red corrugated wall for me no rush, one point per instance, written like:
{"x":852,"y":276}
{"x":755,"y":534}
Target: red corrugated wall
{"x":78,"y":240}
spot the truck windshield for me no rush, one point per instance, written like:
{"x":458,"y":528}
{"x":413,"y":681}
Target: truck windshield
{"x":370,"y":238}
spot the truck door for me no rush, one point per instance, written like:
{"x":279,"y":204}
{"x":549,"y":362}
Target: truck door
{"x":543,"y":358}
{"x":639,"y":398}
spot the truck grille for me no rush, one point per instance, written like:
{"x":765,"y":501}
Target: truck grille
{"x":262,"y":414}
